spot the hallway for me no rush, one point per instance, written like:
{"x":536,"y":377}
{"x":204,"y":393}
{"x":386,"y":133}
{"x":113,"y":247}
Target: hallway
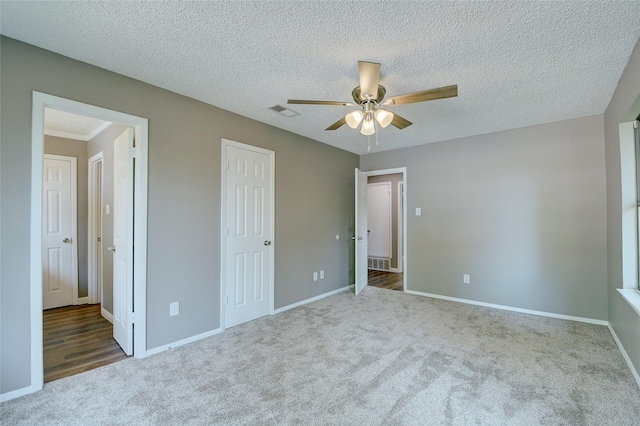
{"x":388,"y":280}
{"x":77,"y":339}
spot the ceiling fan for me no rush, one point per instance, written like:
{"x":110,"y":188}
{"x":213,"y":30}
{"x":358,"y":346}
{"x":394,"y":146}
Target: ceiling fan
{"x":370,"y":96}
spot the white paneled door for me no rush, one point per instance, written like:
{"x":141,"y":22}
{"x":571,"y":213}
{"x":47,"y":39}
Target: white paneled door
{"x":122,"y":248}
{"x":360,"y":237}
{"x":59,"y":246}
{"x":248,"y":245}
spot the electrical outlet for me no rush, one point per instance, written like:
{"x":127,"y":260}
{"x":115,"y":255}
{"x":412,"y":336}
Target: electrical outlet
{"x":315,"y":276}
{"x":174,"y":309}
{"x":466,"y":279}
{"x":322,"y":274}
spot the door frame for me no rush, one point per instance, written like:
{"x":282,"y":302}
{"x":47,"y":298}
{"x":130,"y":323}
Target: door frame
{"x":73,"y":233}
{"x":141,"y":126}
{"x":95,"y":200}
{"x":223,"y":225}
{"x":400,"y":268}
{"x":402,"y":170}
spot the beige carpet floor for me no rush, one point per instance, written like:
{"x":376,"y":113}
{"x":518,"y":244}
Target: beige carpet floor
{"x":381,"y":358}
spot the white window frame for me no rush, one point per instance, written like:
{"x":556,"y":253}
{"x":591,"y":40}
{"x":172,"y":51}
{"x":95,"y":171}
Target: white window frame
{"x":629,"y":173}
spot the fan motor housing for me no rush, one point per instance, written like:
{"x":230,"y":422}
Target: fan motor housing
{"x":357,"y":96}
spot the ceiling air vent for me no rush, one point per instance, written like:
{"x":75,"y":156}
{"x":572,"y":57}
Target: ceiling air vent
{"x":284,"y":111}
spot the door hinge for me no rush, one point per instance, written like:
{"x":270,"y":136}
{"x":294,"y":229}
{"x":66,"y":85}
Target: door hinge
{"x":132,"y":317}
{"x":229,"y":165}
{"x":133,"y":152}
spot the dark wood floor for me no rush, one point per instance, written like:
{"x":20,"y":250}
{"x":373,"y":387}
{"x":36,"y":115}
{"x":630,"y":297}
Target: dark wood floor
{"x":388,"y":280}
{"x":77,"y":339}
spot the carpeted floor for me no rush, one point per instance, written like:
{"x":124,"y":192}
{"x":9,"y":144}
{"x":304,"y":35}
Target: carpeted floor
{"x":382,"y":358}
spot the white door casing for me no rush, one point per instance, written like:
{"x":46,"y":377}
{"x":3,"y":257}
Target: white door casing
{"x":400,"y":262}
{"x":122,"y":242}
{"x":40,"y":101}
{"x":59,"y":232}
{"x":247,"y":232}
{"x":361,"y":231}
{"x":94,"y":232}
{"x":379,"y":219}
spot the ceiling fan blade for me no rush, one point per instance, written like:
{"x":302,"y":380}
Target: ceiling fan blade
{"x":337,"y":124}
{"x":305,"y":102}
{"x":425,"y":95}
{"x":400,"y":122}
{"x":369,"y":78}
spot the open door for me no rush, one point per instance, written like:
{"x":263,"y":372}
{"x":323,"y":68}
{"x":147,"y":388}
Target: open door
{"x":122,"y":248}
{"x":360,"y":236}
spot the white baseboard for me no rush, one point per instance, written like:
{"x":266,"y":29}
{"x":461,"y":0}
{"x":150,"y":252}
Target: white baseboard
{"x":625,"y":356}
{"x":395,"y":270}
{"x":17,"y":393}
{"x":180,"y":342}
{"x":313,"y":299}
{"x":106,"y":314}
{"x":510,"y":308}
{"x":83,"y":301}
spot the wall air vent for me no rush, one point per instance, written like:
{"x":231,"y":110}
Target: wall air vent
{"x":284,"y":111}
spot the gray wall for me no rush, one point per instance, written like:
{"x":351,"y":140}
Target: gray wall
{"x":103,"y":142}
{"x":312,"y":206}
{"x":394,"y":179}
{"x":77,"y":149}
{"x":623,"y":319}
{"x":522,"y":211}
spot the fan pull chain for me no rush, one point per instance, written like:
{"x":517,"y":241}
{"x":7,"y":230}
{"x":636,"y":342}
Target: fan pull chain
{"x":369,"y":144}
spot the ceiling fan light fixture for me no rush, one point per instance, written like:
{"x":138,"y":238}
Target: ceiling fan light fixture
{"x":354,"y":118}
{"x":384,"y":117}
{"x":368,"y":127}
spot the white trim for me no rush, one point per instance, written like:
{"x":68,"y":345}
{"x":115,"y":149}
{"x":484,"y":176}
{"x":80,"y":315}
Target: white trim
{"x":65,"y":135}
{"x":83,"y":300}
{"x":98,"y":130}
{"x":400,"y":202}
{"x":313,"y":299}
{"x":106,"y":314}
{"x":223,"y":288}
{"x":402,"y":170}
{"x":17,"y":393}
{"x":141,"y":125}
{"x":94,"y":210}
{"x":632,"y":367}
{"x":73,"y":162}
{"x":510,"y":308}
{"x":632,"y":297}
{"x":183,"y":342}
{"x":37,"y":162}
{"x":629,"y":208}
{"x":76,"y":136}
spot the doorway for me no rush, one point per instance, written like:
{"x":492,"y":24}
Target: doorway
{"x":385,"y":266}
{"x":135,"y":277}
{"x":78,"y":320}
{"x":385,"y":193}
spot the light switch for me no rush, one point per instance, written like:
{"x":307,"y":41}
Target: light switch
{"x":418,"y":211}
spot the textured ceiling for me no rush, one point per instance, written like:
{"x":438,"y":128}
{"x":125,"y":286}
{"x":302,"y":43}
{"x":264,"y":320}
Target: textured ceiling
{"x":515,"y":63}
{"x":72,"y":126}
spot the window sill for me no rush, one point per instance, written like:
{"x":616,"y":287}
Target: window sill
{"x":632,"y":297}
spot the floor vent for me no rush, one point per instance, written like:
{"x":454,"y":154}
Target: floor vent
{"x":379,"y":263}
